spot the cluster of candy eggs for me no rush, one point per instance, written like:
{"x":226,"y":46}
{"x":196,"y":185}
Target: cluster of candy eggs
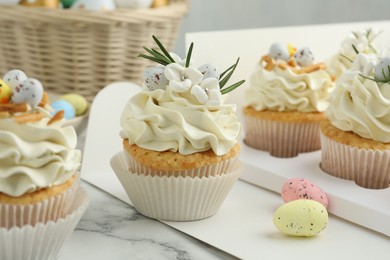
{"x":154,"y":77}
{"x":73,"y":105}
{"x":17,"y":88}
{"x":304,"y":212}
{"x":303,"y":56}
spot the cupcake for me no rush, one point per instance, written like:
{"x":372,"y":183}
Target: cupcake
{"x":38,"y":167}
{"x":356,"y":137}
{"x":285,"y":102}
{"x":180,"y":140}
{"x":359,"y":41}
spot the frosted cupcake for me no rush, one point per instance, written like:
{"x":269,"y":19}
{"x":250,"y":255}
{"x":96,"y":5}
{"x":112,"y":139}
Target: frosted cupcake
{"x":359,"y":41}
{"x":285,"y":102}
{"x":180,"y":143}
{"x":38,"y":171}
{"x":356,"y":138}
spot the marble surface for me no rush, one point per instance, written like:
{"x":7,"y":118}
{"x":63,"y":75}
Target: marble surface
{"x":112,"y":229}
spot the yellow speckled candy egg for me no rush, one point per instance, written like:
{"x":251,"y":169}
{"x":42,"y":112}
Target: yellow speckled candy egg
{"x":301,"y":218}
{"x":79,"y":103}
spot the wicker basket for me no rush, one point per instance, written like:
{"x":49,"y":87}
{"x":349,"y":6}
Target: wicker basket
{"x":80,"y":51}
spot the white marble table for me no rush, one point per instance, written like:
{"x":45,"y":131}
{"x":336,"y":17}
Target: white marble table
{"x":112,"y":229}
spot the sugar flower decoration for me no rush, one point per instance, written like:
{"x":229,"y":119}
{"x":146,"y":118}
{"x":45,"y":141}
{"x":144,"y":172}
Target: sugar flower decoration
{"x":208,"y":92}
{"x":181,"y":78}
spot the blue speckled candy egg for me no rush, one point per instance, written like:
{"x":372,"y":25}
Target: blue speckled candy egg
{"x":69,"y":111}
{"x":209,"y":71}
{"x":30,"y":91}
{"x":382,"y":71}
{"x":279,"y":51}
{"x":301,"y":218}
{"x":154,"y":78}
{"x":304,"y":57}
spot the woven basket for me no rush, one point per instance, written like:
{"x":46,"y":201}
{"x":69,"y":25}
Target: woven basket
{"x":83,"y":51}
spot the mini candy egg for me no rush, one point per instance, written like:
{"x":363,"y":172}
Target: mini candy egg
{"x":301,"y":218}
{"x":300,"y":188}
{"x":154,"y":78}
{"x":14,"y":77}
{"x":29,"y":91}
{"x":209,"y":71}
{"x":304,"y":57}
{"x":79,"y":103}
{"x":279,"y":51}
{"x":382,"y":70}
{"x":69,"y":111}
{"x":5,"y":92}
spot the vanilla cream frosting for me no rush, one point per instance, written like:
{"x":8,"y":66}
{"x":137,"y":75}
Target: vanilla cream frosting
{"x":163,"y":120}
{"x":284,"y":90}
{"x":35,"y":156}
{"x":361,"y":105}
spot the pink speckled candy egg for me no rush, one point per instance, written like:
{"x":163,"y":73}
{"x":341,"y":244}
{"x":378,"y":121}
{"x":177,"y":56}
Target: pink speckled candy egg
{"x":301,"y":188}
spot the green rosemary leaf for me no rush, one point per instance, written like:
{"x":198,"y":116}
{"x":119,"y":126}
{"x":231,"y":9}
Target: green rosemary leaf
{"x":368,"y":33}
{"x":355,"y":34}
{"x":223,"y":81}
{"x":162,"y":48}
{"x":345,"y":57}
{"x":355,"y":49}
{"x":232,"y":87}
{"x":223,"y":73}
{"x":388,"y":70}
{"x":153,"y":59}
{"x":189,"y":53}
{"x":383,"y":73}
{"x":376,"y":80}
{"x":157,"y":55}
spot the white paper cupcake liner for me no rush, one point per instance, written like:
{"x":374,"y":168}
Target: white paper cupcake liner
{"x":50,"y":209}
{"x":282,"y":139}
{"x":174,"y":198}
{"x":42,"y":241}
{"x":368,"y":168}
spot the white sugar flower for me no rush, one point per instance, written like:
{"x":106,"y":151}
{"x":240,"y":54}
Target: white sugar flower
{"x":181,"y":78}
{"x":364,"y":63}
{"x":208,"y":92}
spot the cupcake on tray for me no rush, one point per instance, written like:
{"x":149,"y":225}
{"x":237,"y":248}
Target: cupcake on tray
{"x":356,"y":137}
{"x":180,"y":140}
{"x":359,"y":41}
{"x":285,"y":102}
{"x":38,"y":172}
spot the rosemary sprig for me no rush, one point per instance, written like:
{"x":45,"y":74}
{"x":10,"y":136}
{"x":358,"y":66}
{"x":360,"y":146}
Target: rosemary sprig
{"x":224,"y":79}
{"x":385,"y":80}
{"x":345,"y":57}
{"x":163,"y":57}
{"x":189,"y":53}
{"x":355,"y":49}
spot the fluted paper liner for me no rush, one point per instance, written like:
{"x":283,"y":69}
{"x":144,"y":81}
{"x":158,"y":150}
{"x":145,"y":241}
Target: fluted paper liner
{"x":41,"y":212}
{"x":175,"y":198}
{"x":42,"y":241}
{"x":282,"y":139}
{"x":368,"y":168}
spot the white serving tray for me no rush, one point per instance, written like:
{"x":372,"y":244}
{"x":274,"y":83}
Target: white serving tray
{"x":243,"y":226}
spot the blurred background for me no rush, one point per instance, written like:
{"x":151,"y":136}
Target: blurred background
{"x":206,"y":15}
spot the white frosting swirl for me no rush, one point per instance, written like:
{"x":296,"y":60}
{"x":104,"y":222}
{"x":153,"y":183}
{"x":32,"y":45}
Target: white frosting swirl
{"x":35,"y":155}
{"x":361,"y":105}
{"x":163,"y":120}
{"x":283,"y":90}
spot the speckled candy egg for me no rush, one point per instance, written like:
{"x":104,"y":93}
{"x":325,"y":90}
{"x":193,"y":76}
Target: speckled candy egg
{"x":29,"y":91}
{"x":69,"y":111}
{"x":382,"y":70}
{"x":209,"y":71}
{"x":154,"y":78}
{"x":279,"y":51}
{"x":14,"y":77}
{"x":301,"y":188}
{"x":94,"y":5}
{"x":304,"y":57}
{"x":79,"y":103}
{"x":5,"y":92}
{"x":301,"y":218}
